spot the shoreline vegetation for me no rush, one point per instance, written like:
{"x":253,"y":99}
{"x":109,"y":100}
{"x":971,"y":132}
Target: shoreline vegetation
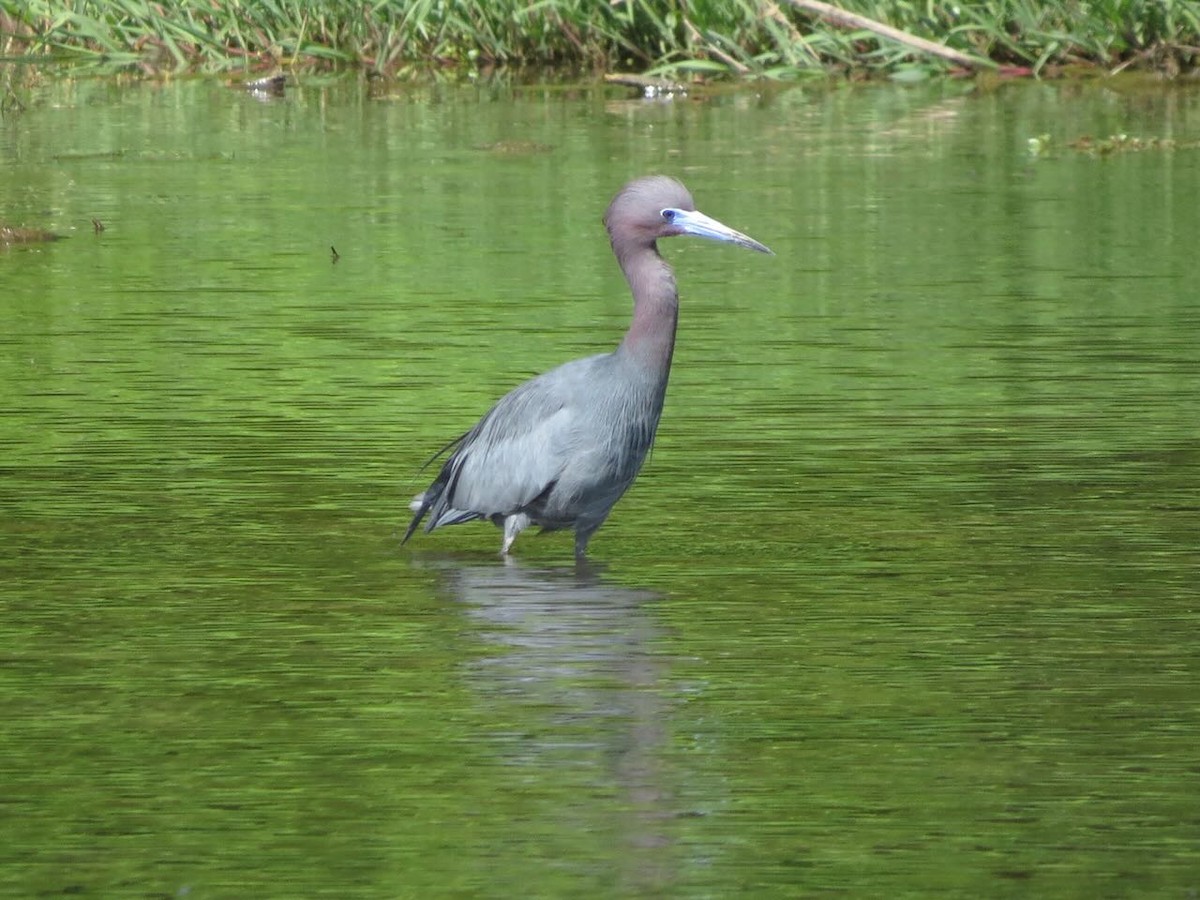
{"x":683,"y":41}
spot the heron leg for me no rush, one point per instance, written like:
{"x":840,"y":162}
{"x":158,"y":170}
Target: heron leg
{"x":513,"y":525}
{"x":583,"y":534}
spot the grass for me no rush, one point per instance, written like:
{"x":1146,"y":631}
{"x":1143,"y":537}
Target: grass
{"x":674,"y":38}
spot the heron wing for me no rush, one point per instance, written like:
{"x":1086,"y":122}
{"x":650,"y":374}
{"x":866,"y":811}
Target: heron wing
{"x":515,"y":454}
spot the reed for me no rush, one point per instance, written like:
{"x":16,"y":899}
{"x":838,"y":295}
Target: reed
{"x":676,"y":38}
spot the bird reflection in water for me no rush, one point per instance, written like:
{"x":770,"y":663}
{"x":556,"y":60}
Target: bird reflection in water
{"x":577,"y":669}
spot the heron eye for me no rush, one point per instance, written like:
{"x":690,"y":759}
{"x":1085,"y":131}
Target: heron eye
{"x":669,"y":215}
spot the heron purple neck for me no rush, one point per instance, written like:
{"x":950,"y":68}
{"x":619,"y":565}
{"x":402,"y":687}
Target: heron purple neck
{"x":651,"y":336}
{"x":642,"y":212}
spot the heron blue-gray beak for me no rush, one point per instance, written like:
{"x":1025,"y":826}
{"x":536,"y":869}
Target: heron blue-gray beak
{"x":692,"y":221}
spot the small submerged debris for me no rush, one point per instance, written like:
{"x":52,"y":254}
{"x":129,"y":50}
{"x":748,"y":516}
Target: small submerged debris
{"x":1121,"y":143}
{"x":267,"y":88}
{"x":1039,"y":146}
{"x":18,"y":234}
{"x":514,"y":148}
{"x":651,"y":88}
{"x":1044,"y":145}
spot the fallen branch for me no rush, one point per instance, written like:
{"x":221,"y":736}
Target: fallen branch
{"x":775,"y":14}
{"x":695,"y":34}
{"x":852,"y":20}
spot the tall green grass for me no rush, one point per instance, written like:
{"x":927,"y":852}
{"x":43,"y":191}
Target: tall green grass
{"x":758,"y":38}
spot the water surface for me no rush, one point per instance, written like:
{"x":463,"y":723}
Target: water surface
{"x":904,"y":604}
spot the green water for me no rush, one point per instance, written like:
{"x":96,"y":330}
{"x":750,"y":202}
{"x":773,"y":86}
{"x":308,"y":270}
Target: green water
{"x":906,"y":602}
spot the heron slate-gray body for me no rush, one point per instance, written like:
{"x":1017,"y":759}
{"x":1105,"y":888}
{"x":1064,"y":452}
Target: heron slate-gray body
{"x":560,"y":450}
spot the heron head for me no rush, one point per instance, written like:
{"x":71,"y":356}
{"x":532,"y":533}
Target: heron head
{"x":656,"y":207}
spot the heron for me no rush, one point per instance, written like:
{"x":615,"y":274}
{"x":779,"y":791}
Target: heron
{"x":561,"y":449}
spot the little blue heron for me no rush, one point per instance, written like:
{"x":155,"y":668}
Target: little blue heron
{"x":559,"y":450}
